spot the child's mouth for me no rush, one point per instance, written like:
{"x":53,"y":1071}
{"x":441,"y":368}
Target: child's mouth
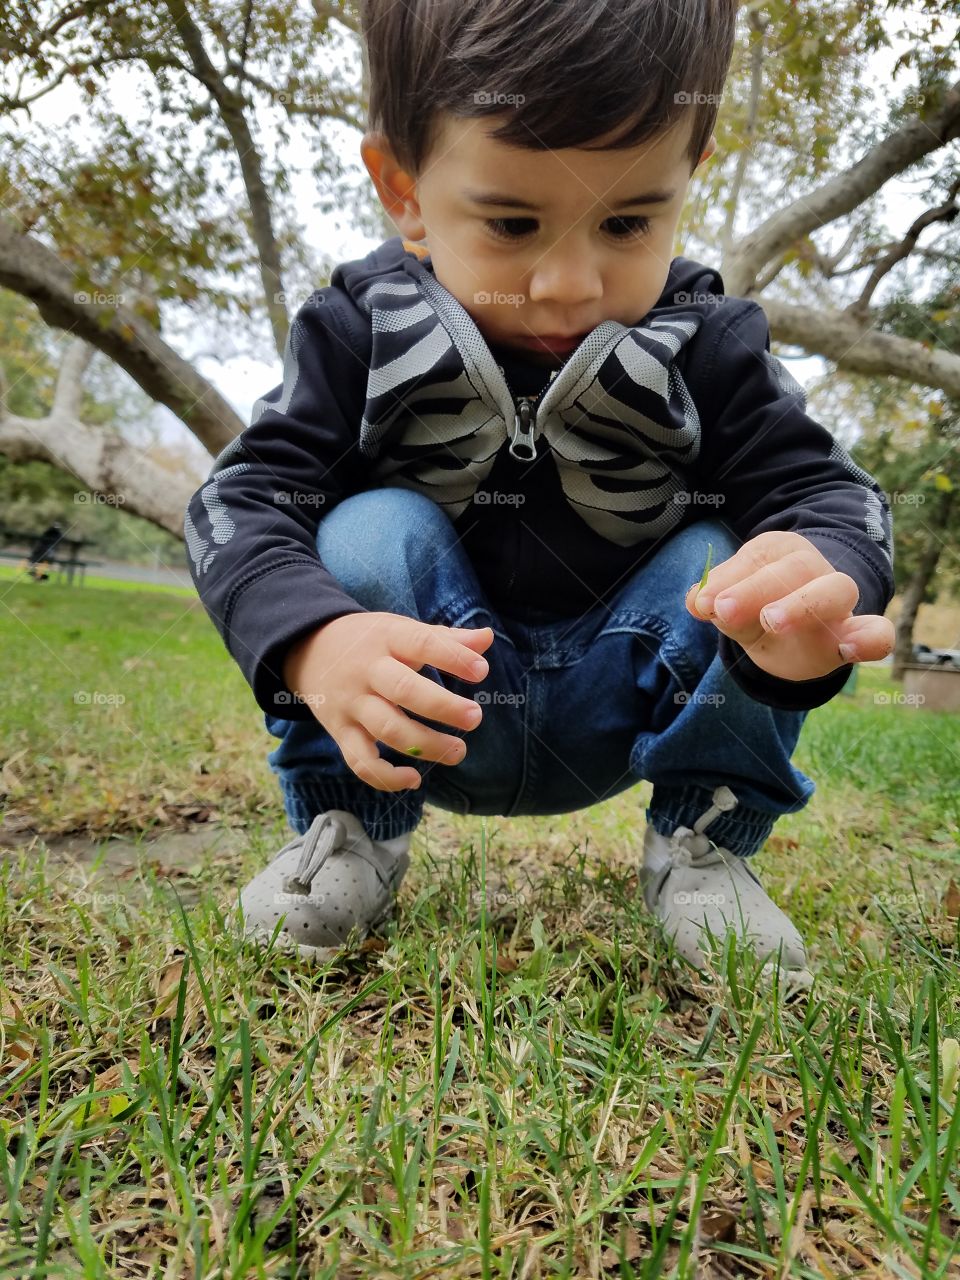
{"x":554,"y":345}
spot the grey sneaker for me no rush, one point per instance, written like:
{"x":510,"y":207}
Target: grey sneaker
{"x":329,"y":883}
{"x":690,"y":882}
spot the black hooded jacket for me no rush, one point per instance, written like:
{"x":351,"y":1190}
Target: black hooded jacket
{"x":388,"y":381}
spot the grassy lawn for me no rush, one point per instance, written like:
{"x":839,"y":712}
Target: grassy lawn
{"x":517,"y":1080}
{"x":11,"y":573}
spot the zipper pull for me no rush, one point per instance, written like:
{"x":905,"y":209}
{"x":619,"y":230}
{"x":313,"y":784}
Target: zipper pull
{"x":525,"y":422}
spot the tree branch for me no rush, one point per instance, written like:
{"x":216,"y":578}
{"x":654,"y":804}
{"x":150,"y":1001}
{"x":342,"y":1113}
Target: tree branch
{"x":34,"y":271}
{"x":76,"y":362}
{"x":325,"y":9}
{"x":231,"y":106}
{"x":842,"y":193}
{"x":945,"y":212}
{"x":102,"y":461}
{"x":76,"y":69}
{"x":853,"y":343}
{"x":758,"y":27}
{"x":296,"y":105}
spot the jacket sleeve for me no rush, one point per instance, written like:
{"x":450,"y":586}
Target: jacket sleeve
{"x":251,"y":527}
{"x":772,"y":467}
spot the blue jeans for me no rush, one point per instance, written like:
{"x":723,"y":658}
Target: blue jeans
{"x":574,"y":711}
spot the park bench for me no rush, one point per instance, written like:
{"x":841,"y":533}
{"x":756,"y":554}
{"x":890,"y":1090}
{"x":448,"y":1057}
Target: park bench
{"x":15,"y":545}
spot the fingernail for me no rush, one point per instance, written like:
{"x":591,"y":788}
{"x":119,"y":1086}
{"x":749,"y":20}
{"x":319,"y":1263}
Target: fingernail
{"x":725,"y":609}
{"x":848,"y":652}
{"x":772,"y":618}
{"x":703,"y":602}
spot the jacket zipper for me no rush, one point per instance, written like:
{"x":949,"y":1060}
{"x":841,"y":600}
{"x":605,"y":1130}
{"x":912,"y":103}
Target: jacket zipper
{"x":522,"y":446}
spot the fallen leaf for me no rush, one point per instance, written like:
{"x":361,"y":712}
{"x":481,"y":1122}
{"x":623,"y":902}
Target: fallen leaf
{"x":629,"y":1248}
{"x":951,"y":900}
{"x":8,"y":777}
{"x":718,"y":1224}
{"x":19,"y":1041}
{"x":787,"y":1119}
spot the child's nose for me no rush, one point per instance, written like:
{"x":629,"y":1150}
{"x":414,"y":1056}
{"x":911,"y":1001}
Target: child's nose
{"x":567,"y":280}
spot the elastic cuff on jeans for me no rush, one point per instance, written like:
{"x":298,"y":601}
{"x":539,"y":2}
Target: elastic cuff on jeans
{"x":742,"y":831}
{"x":390,"y":814}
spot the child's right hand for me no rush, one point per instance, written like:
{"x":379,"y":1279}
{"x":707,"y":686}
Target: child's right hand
{"x":358,"y":671}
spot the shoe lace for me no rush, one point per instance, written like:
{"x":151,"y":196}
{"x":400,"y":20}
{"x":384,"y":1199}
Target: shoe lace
{"x":325,"y":834}
{"x":690,"y":847}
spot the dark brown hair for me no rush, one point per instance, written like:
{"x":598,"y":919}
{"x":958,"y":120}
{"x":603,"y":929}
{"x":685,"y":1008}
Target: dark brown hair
{"x":564,"y":72}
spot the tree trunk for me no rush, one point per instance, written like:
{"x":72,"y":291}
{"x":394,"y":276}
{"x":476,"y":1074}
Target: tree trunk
{"x":917,"y":586}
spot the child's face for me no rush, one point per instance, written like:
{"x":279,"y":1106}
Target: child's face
{"x":583,"y":255}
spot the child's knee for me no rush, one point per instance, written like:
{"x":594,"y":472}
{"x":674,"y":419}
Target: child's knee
{"x":371,"y":531}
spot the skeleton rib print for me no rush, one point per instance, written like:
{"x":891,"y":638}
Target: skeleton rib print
{"x":618,"y":417}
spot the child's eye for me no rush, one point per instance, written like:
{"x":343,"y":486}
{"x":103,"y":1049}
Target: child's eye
{"x":636,"y":225}
{"x":498,"y":227}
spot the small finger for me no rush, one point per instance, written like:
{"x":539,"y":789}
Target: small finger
{"x":385,"y":722}
{"x":360,"y":749}
{"x":827,"y":600}
{"x":741,"y":603}
{"x":765,"y":549}
{"x":395,"y":681}
{"x":437,"y":647}
{"x":867,"y":639}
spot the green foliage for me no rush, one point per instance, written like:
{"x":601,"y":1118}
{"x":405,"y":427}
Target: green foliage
{"x":921,"y":479}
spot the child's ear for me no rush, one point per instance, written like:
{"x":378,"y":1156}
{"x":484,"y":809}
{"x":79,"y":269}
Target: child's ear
{"x":709,"y":149}
{"x":395,"y":187}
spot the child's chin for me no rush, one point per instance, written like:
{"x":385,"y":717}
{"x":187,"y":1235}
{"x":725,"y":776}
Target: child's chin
{"x":536,"y":354}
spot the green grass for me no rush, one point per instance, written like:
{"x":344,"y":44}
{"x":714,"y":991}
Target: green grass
{"x":518,"y":1080}
{"x":10,"y":573}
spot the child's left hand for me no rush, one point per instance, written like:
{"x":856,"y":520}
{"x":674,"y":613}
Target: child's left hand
{"x":785,"y":572}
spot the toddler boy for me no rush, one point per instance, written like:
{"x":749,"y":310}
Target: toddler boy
{"x":453,"y":552}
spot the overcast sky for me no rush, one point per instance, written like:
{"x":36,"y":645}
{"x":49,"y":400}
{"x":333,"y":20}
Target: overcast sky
{"x":243,"y":380}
